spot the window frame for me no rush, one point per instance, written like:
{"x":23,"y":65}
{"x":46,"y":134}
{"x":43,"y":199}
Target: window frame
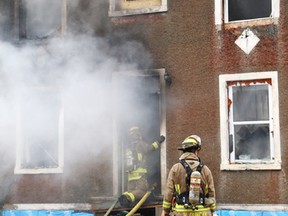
{"x":19,"y":143}
{"x":221,"y":16}
{"x":21,"y":24}
{"x":145,"y":10}
{"x":226,"y":164}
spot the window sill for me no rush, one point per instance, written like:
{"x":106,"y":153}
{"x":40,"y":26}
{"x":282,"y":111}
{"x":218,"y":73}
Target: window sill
{"x":244,"y":24}
{"x":149,"y":10}
{"x":38,"y":171}
{"x":251,"y":166}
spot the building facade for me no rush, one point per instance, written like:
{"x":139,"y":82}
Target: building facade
{"x":76,"y":75}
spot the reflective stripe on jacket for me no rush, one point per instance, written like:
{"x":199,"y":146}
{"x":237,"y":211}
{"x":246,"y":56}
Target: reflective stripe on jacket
{"x":136,"y":174}
{"x":199,"y":208}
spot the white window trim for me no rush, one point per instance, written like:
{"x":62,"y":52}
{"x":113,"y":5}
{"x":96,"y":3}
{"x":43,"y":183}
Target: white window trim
{"x":224,"y":135}
{"x":113,"y":13}
{"x":163,"y":159}
{"x":19,"y":138}
{"x":221,"y":14}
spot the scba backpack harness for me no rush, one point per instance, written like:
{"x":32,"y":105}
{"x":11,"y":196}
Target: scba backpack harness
{"x":193,"y":195}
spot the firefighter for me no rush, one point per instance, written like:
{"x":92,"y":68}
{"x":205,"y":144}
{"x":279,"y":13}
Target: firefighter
{"x":179,"y":197}
{"x":136,"y":167}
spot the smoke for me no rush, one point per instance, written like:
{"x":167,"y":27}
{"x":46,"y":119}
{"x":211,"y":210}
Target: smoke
{"x":76,"y":68}
{"x":60,"y":86}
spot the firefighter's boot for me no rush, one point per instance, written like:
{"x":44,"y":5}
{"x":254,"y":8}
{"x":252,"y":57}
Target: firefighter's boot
{"x":124,"y":201}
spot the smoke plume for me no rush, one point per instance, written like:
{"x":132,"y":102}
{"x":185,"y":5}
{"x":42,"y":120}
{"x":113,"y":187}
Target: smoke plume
{"x":68,"y":76}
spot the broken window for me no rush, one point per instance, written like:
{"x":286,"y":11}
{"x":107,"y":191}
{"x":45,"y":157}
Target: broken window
{"x":130,"y":7}
{"x":250,"y":121}
{"x":252,"y":114}
{"x":40,"y":132}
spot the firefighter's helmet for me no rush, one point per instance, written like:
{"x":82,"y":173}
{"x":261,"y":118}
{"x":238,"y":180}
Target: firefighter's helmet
{"x":191,"y":141}
{"x":134,"y":130}
{"x":135,"y":133}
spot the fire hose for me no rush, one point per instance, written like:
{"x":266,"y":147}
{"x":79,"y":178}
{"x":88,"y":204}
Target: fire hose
{"x":141,"y":201}
{"x":137,"y":206}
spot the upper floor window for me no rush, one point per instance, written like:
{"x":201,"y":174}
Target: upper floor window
{"x":40,"y":132}
{"x":41,"y":18}
{"x":247,"y":12}
{"x":250,"y":121}
{"x":245,"y":9}
{"x":6,"y":19}
{"x":132,"y":7}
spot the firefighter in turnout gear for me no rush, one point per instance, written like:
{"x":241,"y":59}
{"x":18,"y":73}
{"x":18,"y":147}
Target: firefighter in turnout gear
{"x":190,"y":187}
{"x":136,"y":167}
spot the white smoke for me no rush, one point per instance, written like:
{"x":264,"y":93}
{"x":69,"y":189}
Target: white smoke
{"x":79,"y":68}
{"x":72,"y":73}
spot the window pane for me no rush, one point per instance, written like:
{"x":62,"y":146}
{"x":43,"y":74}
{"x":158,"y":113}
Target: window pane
{"x":252,"y":142}
{"x":250,"y":103}
{"x":248,"y":9}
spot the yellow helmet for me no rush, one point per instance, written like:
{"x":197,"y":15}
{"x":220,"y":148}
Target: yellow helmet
{"x":135,"y":133}
{"x":134,"y":130}
{"x":191,"y":141}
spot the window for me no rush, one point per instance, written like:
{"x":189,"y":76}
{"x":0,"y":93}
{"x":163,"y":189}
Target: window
{"x":40,"y":132}
{"x":256,"y":12}
{"x":41,"y":18}
{"x":249,"y":115}
{"x":245,"y":9}
{"x":140,"y":99}
{"x":131,"y":7}
{"x":6,"y":19}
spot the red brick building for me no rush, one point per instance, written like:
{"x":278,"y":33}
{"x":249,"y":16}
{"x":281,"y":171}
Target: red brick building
{"x":109,"y":65}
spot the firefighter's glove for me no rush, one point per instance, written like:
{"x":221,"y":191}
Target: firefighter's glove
{"x":157,"y":143}
{"x":211,"y":203}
